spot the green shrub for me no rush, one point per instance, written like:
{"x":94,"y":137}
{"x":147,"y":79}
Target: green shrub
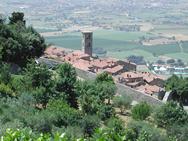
{"x":116,"y":125}
{"x":6,"y":91}
{"x":73,"y":132}
{"x":90,"y":123}
{"x":122,"y":102}
{"x":106,"y":112}
{"x":64,"y":115}
{"x":141,"y":111}
{"x":169,"y":114}
{"x":142,"y":128}
{"x":5,"y":75}
{"x":180,"y":132}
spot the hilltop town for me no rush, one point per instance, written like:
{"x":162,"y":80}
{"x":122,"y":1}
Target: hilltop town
{"x":123,"y":71}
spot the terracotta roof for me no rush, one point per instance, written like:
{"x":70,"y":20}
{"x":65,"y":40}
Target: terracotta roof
{"x":80,"y":54}
{"x":55,"y":52}
{"x":145,"y":75}
{"x":149,"y":89}
{"x":104,"y":63}
{"x":131,"y":75}
{"x":99,"y":63}
{"x":114,"y":69}
{"x":82,"y":64}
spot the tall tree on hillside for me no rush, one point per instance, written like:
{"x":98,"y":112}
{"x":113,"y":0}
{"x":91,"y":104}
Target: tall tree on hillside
{"x":38,"y":74}
{"x":179,"y":88}
{"x":38,"y":80}
{"x":19,"y":43}
{"x":66,"y":82}
{"x":106,"y":86}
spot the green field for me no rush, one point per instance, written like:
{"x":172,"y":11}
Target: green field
{"x":122,"y":44}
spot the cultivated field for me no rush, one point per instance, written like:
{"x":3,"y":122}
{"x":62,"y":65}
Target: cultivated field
{"x":123,"y":44}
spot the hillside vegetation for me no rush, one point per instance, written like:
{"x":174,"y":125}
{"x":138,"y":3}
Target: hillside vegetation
{"x":42,"y":104}
{"x":19,"y":43}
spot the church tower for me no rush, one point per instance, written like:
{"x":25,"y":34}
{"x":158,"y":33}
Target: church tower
{"x":87,"y":42}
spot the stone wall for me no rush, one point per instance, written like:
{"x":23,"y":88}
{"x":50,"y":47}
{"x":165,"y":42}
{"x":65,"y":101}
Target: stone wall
{"x":122,"y":89}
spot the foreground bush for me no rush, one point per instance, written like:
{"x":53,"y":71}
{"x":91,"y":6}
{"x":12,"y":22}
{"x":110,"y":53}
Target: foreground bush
{"x":141,"y":111}
{"x":27,"y":135}
{"x":101,"y":134}
{"x":170,"y":114}
{"x":122,"y":102}
{"x":142,"y":128}
{"x":179,"y":132}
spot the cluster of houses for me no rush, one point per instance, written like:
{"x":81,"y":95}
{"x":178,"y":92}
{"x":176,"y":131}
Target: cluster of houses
{"x":85,"y":62}
{"x":143,"y":81}
{"x":124,"y":72}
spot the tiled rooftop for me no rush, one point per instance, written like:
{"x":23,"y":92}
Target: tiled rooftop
{"x":113,"y":66}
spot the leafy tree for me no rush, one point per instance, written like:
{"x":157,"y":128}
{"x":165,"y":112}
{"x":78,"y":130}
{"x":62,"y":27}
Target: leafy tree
{"x":104,"y":77}
{"x":19,"y":43}
{"x":106,"y":111}
{"x":74,"y":132}
{"x":5,"y":75}
{"x":179,"y":88}
{"x":141,"y":111}
{"x":64,"y":115}
{"x":106,"y":91}
{"x":41,"y":96}
{"x":90,"y":124}
{"x":172,"y":82}
{"x":16,"y":112}
{"x":115,"y":125}
{"x":41,"y":122}
{"x":169,"y":114}
{"x":17,"y":83}
{"x":38,"y":80}
{"x":106,"y":86}
{"x":122,"y":102}
{"x":38,"y":74}
{"x":89,"y":104}
{"x":142,"y":128}
{"x":6,"y":91}
{"x":179,"y":132}
{"x":17,"y":17}
{"x":92,"y":99}
{"x":66,"y":83}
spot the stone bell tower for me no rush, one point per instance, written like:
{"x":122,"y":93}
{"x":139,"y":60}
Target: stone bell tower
{"x":87,"y":42}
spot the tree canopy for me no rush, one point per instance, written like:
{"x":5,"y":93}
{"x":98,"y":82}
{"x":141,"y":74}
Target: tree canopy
{"x":179,"y":88}
{"x":19,"y":43}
